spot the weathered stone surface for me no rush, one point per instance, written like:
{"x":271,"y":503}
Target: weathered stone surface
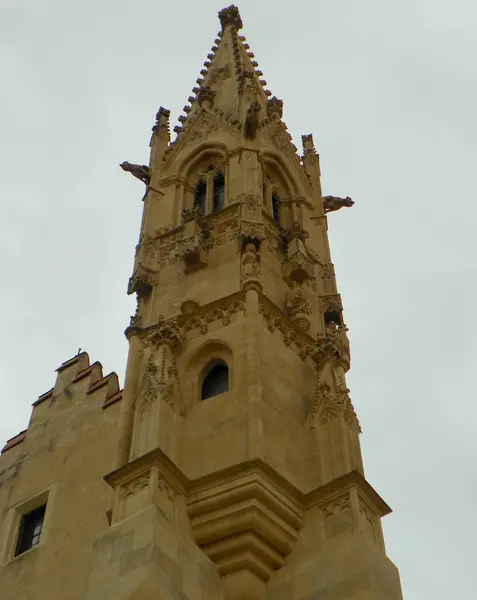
{"x":229,"y":467}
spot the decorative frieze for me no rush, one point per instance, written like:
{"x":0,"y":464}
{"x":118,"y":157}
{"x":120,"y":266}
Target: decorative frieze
{"x":293,"y":336}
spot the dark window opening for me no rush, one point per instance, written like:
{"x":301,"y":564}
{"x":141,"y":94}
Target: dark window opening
{"x":333,"y":316}
{"x":276,"y":208}
{"x":31,"y":526}
{"x":201,"y":197}
{"x":216,"y":382}
{"x":219,"y":192}
{"x":264,"y":191}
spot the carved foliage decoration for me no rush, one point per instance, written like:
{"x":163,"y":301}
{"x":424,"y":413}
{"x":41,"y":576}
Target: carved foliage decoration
{"x":291,"y":336}
{"x":331,"y":398}
{"x":203,"y":129}
{"x":160,"y":381}
{"x":215,"y":314}
{"x":219,"y":75}
{"x":166,"y":332}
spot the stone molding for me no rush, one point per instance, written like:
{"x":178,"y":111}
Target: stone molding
{"x":246,"y":516}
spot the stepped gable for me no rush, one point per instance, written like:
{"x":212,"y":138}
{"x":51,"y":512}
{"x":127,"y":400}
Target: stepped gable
{"x":71,"y":372}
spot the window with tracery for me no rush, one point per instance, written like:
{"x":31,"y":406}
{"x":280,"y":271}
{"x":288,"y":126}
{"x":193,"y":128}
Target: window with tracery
{"x":210,"y":189}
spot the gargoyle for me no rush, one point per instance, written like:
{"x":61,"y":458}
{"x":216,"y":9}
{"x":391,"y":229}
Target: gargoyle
{"x":332,"y":203}
{"x":141,"y":172}
{"x":251,"y":122}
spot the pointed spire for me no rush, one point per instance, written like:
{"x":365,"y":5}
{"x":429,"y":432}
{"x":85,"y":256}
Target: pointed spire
{"x":230,"y":87}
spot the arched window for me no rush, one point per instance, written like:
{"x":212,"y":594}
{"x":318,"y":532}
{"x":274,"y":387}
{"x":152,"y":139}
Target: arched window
{"x":218,"y":200}
{"x":276,"y":208}
{"x":200,"y":199}
{"x":216,"y":381}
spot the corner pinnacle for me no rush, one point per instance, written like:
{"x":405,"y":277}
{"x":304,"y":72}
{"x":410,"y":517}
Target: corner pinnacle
{"x":230,"y":16}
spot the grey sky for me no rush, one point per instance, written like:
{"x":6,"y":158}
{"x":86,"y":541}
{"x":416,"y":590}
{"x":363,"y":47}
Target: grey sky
{"x":389,"y":90}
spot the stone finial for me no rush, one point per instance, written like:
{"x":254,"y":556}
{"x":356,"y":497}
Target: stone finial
{"x":308,"y":145}
{"x":206,"y":97}
{"x":274,"y":108}
{"x":230,"y":16}
{"x":162,"y":120}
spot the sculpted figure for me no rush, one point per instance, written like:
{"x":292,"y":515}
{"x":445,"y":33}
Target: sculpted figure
{"x":251,"y":122}
{"x":250,"y":264}
{"x":332,"y":203}
{"x":141,"y":172}
{"x":297,"y":302}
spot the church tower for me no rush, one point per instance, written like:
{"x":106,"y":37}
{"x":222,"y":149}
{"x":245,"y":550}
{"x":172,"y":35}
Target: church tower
{"x":238,"y":472}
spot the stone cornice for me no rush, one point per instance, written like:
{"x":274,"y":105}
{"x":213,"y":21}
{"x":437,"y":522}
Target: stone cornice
{"x":156,"y":457}
{"x":353,"y":479}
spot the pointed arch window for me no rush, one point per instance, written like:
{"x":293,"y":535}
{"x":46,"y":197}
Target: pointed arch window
{"x":200,"y":200}
{"x":276,"y":208}
{"x":218,"y":197}
{"x":216,"y":382}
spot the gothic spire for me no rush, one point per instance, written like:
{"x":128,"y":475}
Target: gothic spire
{"x":230,"y":80}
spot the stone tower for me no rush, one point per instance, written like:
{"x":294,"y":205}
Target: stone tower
{"x":237,"y":468}
{"x":238,"y":440}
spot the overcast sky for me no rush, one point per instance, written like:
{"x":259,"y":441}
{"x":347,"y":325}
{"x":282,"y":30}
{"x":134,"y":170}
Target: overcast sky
{"x":389,"y":90}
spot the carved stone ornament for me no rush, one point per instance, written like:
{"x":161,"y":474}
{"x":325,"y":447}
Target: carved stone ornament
{"x":224,"y":314}
{"x":298,"y":306}
{"x":295,"y":231}
{"x":298,"y":268}
{"x":194,"y":252}
{"x":251,"y":272}
{"x":142,"y":281}
{"x":331,"y":305}
{"x":230,"y":16}
{"x":332,"y":203}
{"x":190,"y":214}
{"x":206,"y":97}
{"x":275,"y":108}
{"x":331,"y":400}
{"x":292,"y":337}
{"x":160,"y":382}
{"x":308,"y":145}
{"x":334,"y":346}
{"x":141,"y":172}
{"x":251,"y":232}
{"x":166,"y":332}
{"x":219,"y":75}
{"x":162,"y":121}
{"x":136,"y":320}
{"x":203,"y":129}
{"x":252,"y":121}
{"x":189,"y":306}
